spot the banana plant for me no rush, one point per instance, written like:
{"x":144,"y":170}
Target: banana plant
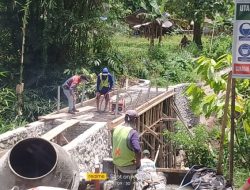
{"x":154,"y":13}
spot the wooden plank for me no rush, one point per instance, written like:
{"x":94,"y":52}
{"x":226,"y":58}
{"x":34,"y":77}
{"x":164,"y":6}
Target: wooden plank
{"x":61,"y":115}
{"x":59,"y":129}
{"x":144,"y":107}
{"x":54,"y":116}
{"x":153,"y":102}
{"x":84,"y":117}
{"x":151,"y":131}
{"x":150,"y":127}
{"x":154,"y":134}
{"x":145,"y":140}
{"x":169,"y":119}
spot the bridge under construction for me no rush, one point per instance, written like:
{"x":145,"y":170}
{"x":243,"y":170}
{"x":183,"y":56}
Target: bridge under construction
{"x":86,"y":135}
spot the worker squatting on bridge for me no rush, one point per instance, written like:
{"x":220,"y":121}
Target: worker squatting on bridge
{"x":126,"y":151}
{"x":69,"y":87}
{"x":147,"y":165}
{"x":104,"y":85}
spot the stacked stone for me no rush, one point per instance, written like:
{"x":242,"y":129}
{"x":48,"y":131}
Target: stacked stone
{"x":183,"y":106}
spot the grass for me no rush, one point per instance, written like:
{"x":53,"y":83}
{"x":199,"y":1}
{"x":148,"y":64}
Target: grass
{"x":164,"y":64}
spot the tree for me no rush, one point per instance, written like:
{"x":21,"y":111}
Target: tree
{"x":214,"y":75}
{"x":154,"y":12}
{"x":197,"y":11}
{"x":60,"y":34}
{"x":49,"y":36}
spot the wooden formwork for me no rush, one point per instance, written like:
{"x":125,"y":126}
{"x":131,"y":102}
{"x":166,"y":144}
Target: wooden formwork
{"x":151,"y":126}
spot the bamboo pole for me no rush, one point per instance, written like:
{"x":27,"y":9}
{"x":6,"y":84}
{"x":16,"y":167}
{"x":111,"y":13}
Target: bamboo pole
{"x":58,"y":98}
{"x":143,"y":121}
{"x":154,"y":145}
{"x":224,"y":123}
{"x":126,"y":84}
{"x":83,"y":94}
{"x":24,"y":24}
{"x":116,"y":104}
{"x":231,"y":145}
{"x":161,"y":146}
{"x":157,"y":153}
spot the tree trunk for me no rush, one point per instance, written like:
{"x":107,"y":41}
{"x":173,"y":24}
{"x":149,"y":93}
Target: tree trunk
{"x":197,"y":33}
{"x":160,"y":37}
{"x":152,"y":34}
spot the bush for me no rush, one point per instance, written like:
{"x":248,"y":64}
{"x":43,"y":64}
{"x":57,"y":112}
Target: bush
{"x":197,"y":147}
{"x":221,"y":45}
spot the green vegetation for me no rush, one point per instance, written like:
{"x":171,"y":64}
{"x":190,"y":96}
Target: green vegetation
{"x":202,"y":147}
{"x":164,"y":65}
{"x":197,"y":145}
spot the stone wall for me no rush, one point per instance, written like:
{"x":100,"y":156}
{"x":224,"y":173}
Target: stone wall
{"x":35,"y":129}
{"x":183,"y":106}
{"x":88,"y":143}
{"x":92,"y":145}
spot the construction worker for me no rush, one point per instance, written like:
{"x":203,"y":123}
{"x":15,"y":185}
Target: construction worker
{"x":69,"y":87}
{"x":126,"y":151}
{"x":184,"y":41}
{"x":147,"y":165}
{"x":104,"y":85}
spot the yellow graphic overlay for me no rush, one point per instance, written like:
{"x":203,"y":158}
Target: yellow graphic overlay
{"x":96,"y":176}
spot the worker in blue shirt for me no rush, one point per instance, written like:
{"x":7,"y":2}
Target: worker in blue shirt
{"x":104,"y":85}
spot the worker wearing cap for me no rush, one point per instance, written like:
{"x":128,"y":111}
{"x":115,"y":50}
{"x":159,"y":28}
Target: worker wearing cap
{"x":104,"y":85}
{"x":147,"y":165}
{"x":126,"y":151}
{"x":69,"y":87}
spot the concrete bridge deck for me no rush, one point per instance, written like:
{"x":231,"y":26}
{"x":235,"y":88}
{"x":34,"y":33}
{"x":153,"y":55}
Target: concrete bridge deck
{"x":134,"y":97}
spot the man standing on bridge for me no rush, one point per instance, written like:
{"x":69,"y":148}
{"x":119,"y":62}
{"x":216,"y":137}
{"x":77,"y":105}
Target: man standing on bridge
{"x":104,"y":85}
{"x":126,"y":151}
{"x":69,"y":87}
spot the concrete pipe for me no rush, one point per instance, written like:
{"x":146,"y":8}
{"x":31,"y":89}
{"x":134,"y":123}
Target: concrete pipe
{"x":36,"y":162}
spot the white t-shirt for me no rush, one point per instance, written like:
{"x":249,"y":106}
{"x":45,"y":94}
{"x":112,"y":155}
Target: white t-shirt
{"x":147,"y":165}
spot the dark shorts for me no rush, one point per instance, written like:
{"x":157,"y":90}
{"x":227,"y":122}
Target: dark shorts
{"x":104,"y":92}
{"x":124,"y":181}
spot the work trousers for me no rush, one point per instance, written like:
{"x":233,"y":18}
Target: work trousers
{"x":71,"y":100}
